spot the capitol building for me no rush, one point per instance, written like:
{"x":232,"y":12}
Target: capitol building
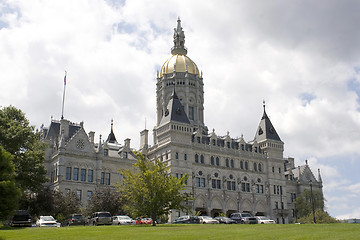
{"x":226,"y":174}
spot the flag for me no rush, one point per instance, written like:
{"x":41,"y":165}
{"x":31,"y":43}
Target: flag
{"x":65,"y":79}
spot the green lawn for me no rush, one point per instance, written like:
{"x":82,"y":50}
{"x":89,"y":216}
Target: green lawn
{"x":276,"y":231}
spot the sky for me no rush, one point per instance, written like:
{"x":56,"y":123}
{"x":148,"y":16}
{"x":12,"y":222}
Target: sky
{"x":301,"y":57}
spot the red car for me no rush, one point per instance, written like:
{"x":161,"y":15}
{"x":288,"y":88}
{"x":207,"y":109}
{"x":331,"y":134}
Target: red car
{"x":144,"y":221}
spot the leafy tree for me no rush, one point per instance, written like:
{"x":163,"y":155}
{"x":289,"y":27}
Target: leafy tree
{"x":321,"y":217}
{"x":19,"y":139}
{"x":149,"y":190}
{"x":55,"y":203}
{"x":304,"y":203}
{"x":9,"y":192}
{"x":105,"y":199}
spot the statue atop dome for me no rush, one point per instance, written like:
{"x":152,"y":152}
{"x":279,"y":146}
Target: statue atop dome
{"x":179,"y":40}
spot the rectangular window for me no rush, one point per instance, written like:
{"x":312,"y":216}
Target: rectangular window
{"x":261,"y":188}
{"x":185,"y":156}
{"x":76,"y":174}
{"x":106,"y":152}
{"x":83,"y":175}
{"x":78,"y":193}
{"x":273,"y":169}
{"x":218,"y":184}
{"x":228,"y":183}
{"x":191,"y":113}
{"x":107,"y":178}
{"x":276,"y":205}
{"x":68,"y":173}
{"x":176,"y":175}
{"x":213,"y":142}
{"x":202,"y":182}
{"x":233,"y":186}
{"x":89,"y":195}
{"x":280,"y":190}
{"x":213,"y":183}
{"x":52,"y":176}
{"x":90,"y":175}
{"x":197,"y":182}
{"x":243,"y":187}
{"x":282,"y":205}
{"x":102,"y":179}
{"x":248,"y":187}
{"x":274,"y":189}
{"x":257,"y":188}
{"x":176,"y":155}
{"x":198,"y":139}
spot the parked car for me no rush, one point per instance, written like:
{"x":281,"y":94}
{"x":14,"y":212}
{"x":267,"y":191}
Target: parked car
{"x":47,"y":221}
{"x":100,"y":218}
{"x":123,"y":220}
{"x":244,"y":218}
{"x":21,"y":218}
{"x":264,"y":220}
{"x":187,"y":219}
{"x":144,"y":221}
{"x":225,"y":220}
{"x":207,"y":220}
{"x":74,"y":219}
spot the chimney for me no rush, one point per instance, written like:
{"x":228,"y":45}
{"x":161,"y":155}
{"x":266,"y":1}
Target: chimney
{"x":127,"y":143}
{"x":91,"y":137}
{"x":144,"y":142}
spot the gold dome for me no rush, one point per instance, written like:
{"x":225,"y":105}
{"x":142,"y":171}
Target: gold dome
{"x":181,"y":63}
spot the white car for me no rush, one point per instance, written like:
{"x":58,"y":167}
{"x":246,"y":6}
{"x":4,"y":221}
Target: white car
{"x":207,"y":220}
{"x":123,"y":220}
{"x":47,"y":221}
{"x":264,"y":220}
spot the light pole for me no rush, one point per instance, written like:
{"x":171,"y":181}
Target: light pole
{"x":312,"y":201}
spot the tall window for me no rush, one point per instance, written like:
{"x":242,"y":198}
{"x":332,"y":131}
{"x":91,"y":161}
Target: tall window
{"x":196,"y":158}
{"x":202,"y":159}
{"x":83,"y":175}
{"x":68,"y":173}
{"x":260,"y":167}
{"x":241,"y":164}
{"x":213,"y":142}
{"x":185,"y":156}
{"x":107,"y":178}
{"x":78,"y":193}
{"x":217,"y":161}
{"x":76,"y":174}
{"x":227,"y":162}
{"x":102,"y":178}
{"x":191,"y":113}
{"x":212,"y":160}
{"x":90,"y":175}
{"x":176,"y":155}
{"x":89,"y":195}
{"x":255,"y":167}
{"x":247,"y":165}
{"x":232,"y":163}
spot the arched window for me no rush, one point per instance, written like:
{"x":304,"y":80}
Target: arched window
{"x":255,"y":167}
{"x":196,"y":158}
{"x":241,"y":164}
{"x":232,"y":163}
{"x":260,"y":167}
{"x":212,"y":160}
{"x":246,"y":165}
{"x":217,"y":161}
{"x":202,"y":159}
{"x":227,"y":162}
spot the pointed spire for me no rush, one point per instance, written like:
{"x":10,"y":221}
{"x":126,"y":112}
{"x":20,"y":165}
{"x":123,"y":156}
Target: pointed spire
{"x":111,"y":138}
{"x":179,"y":40}
{"x":319,"y":176}
{"x":100,"y":144}
{"x":266,"y":130}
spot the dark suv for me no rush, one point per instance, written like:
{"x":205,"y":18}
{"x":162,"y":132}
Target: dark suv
{"x":74,"y":219}
{"x":21,"y":218}
{"x":100,"y":218}
{"x":244,"y":218}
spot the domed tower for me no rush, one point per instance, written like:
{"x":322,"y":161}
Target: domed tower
{"x":179,"y":72}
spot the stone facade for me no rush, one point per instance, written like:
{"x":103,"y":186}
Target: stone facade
{"x":226,"y":174}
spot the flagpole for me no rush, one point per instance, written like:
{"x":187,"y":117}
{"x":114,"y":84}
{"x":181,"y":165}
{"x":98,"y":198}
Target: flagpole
{"x":63,"y":101}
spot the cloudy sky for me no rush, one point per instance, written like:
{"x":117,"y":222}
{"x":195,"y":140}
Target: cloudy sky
{"x":302,"y":57}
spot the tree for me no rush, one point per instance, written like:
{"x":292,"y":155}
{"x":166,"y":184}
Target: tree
{"x":9,"y":192}
{"x":304,"y":203}
{"x":19,"y":139}
{"x":149,"y":190}
{"x":105,"y":199}
{"x":321,"y":217}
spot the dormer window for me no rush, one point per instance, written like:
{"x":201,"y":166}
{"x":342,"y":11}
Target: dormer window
{"x":106,"y":152}
{"x":125,"y":155}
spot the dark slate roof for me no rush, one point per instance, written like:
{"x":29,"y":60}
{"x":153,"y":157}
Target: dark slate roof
{"x":111,"y":138}
{"x":175,"y":111}
{"x":54,"y":130}
{"x":266,"y":130}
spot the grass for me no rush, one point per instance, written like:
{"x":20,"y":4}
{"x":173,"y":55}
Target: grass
{"x":234,"y":231}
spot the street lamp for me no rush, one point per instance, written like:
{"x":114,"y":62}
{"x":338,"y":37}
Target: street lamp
{"x":312,"y":201}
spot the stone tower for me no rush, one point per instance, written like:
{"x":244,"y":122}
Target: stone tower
{"x":181,"y":73}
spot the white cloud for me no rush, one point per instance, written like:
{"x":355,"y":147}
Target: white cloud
{"x":299,"y":56}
